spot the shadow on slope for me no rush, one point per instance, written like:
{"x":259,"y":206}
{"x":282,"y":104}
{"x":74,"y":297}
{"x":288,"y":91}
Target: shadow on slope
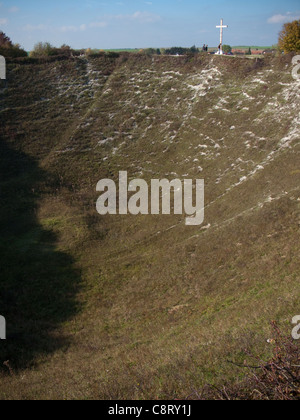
{"x":38,"y":284}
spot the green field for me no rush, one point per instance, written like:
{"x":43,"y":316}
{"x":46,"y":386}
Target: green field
{"x":255,"y":47}
{"x":211,"y":48}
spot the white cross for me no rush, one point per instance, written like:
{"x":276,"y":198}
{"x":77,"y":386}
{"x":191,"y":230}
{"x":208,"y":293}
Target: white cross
{"x":221,"y":33}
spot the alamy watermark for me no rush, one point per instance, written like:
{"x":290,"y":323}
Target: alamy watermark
{"x":2,"y":328}
{"x":296,"y":64}
{"x":185,"y":194}
{"x":296,"y":329}
{"x":2,"y":68}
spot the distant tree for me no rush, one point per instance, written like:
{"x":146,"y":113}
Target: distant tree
{"x":177,"y":51}
{"x":65,"y":47}
{"x":194,"y":49}
{"x":249,"y":52}
{"x":42,"y":49}
{"x":289,"y":37}
{"x":8,"y":49}
{"x":5,"y":40}
{"x":88,"y":51}
{"x":45,"y":49}
{"x":65,"y":50}
{"x":227,"y":49}
{"x":149,"y":51}
{"x":112,"y":54}
{"x":13,"y":52}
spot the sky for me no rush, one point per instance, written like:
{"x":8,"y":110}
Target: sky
{"x":110,"y":24}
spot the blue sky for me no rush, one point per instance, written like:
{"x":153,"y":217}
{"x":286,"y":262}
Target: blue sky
{"x":140,"y":23}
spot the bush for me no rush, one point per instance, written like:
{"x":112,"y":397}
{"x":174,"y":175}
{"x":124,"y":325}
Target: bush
{"x":13,"y":52}
{"x":45,"y":49}
{"x":149,"y":51}
{"x":277,"y":379}
{"x":181,"y":51}
{"x":194,"y":49}
{"x":112,"y":54}
{"x":176,"y":51}
{"x":227,"y":49}
{"x":8,"y":49}
{"x":289,"y":37}
{"x":96,"y":55}
{"x":5,"y":40}
{"x":41,"y":49}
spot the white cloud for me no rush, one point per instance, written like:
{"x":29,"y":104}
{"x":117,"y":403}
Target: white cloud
{"x":14,"y":9}
{"x":72,"y":28}
{"x":142,"y":17}
{"x":3,"y":21}
{"x":64,"y":28}
{"x":31,"y":28}
{"x":146,"y":17}
{"x":288,"y":17}
{"x":69,"y":28}
{"x":98,"y":25}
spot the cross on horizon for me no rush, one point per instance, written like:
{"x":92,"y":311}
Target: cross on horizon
{"x":221,"y":27}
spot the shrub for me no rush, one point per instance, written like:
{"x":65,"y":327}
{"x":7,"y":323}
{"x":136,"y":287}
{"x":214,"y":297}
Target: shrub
{"x":45,"y":49}
{"x":194,"y":49}
{"x":227,"y":49}
{"x":41,"y":49}
{"x":176,"y":51}
{"x":5,"y":40}
{"x":8,"y":49}
{"x":12,"y":52}
{"x":149,"y":51}
{"x":181,"y":51}
{"x":289,"y":37}
{"x":277,"y":379}
{"x":112,"y":54}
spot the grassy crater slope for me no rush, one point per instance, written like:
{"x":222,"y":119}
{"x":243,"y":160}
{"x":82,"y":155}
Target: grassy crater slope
{"x":143,"y":306}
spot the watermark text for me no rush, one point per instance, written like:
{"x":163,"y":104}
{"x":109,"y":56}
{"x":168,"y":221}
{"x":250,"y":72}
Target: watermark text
{"x":296,"y":64}
{"x":2,"y":328}
{"x":2,"y":68}
{"x":156,"y":199}
{"x":296,"y":330}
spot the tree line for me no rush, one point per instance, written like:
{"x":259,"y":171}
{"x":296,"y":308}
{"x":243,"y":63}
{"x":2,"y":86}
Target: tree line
{"x":8,"y":49}
{"x":289,"y":41}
